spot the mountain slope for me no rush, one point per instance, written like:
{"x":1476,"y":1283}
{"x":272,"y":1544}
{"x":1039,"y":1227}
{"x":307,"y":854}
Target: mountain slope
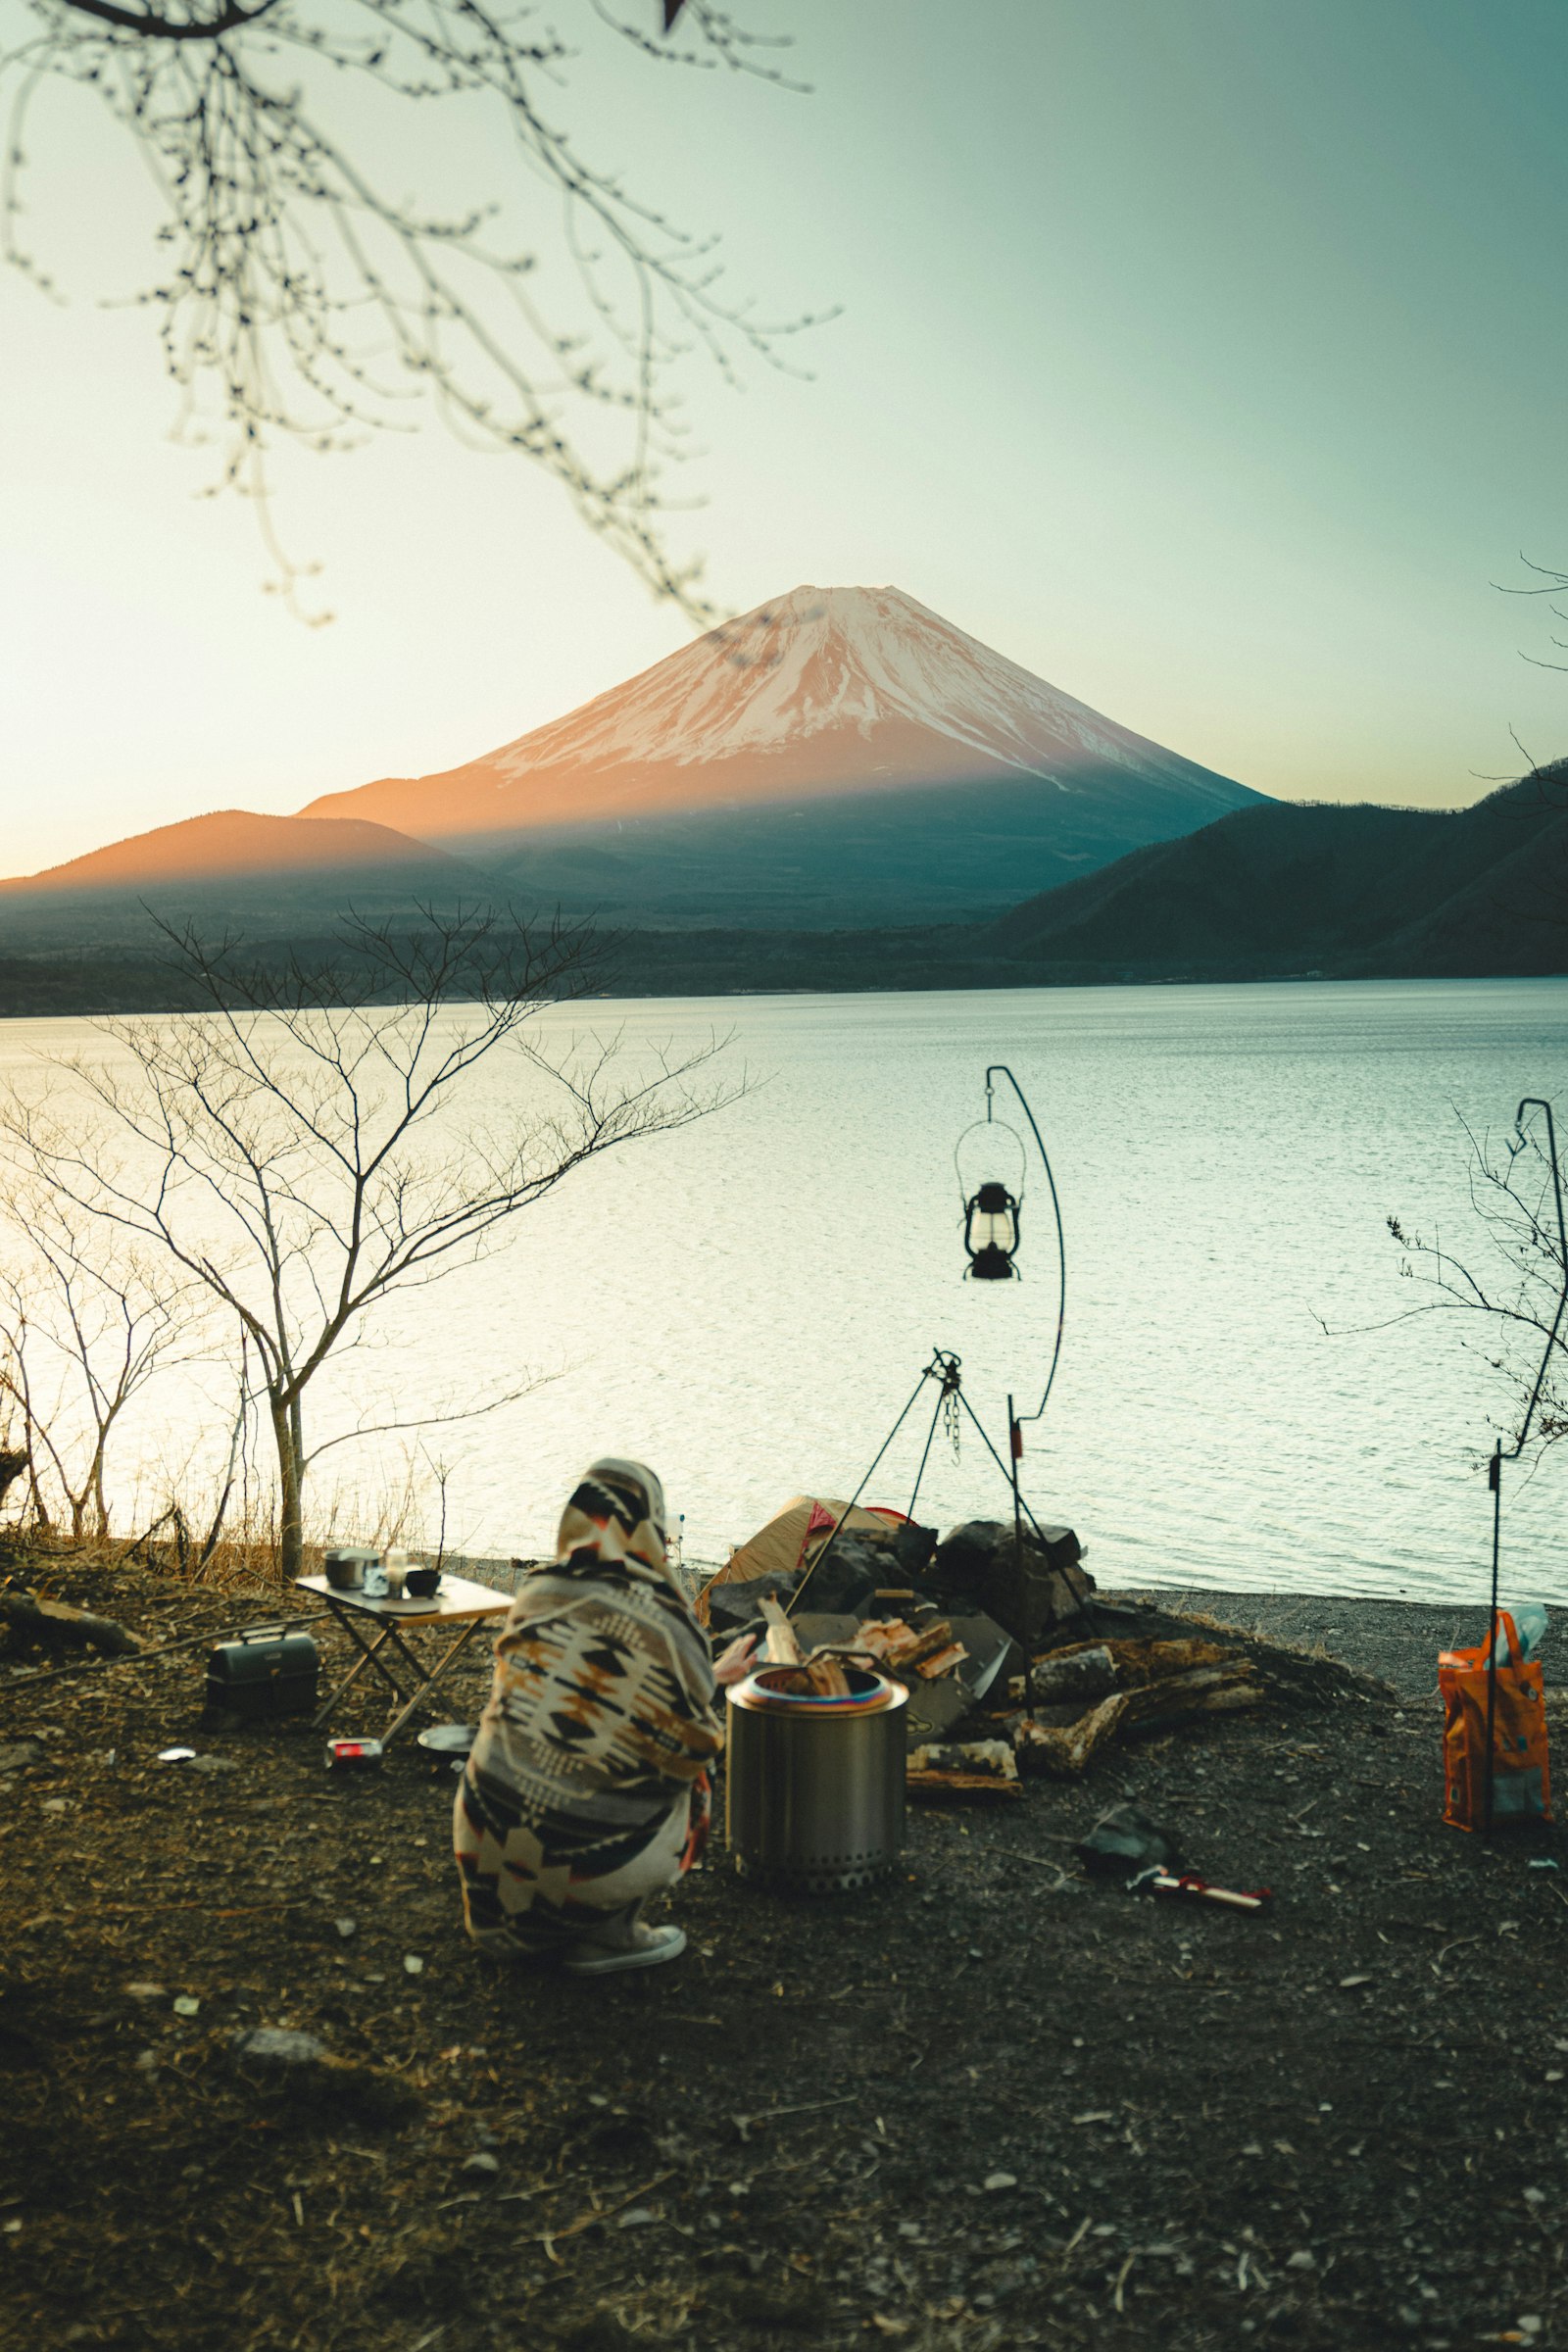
{"x":1344,"y":891}
{"x":233,"y":842}
{"x":1273,"y":891}
{"x":267,"y":874}
{"x":776,"y":767}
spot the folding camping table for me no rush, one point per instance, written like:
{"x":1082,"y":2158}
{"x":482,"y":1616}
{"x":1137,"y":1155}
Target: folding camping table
{"x":375,"y":1625}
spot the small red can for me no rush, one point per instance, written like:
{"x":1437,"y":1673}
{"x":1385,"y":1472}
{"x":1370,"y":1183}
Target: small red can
{"x":352,"y":1756}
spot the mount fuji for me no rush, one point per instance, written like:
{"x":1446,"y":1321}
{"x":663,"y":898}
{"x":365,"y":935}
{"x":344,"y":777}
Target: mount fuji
{"x":839,"y":755}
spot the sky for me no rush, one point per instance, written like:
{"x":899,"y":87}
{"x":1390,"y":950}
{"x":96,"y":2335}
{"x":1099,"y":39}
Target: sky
{"x":1208,"y":358}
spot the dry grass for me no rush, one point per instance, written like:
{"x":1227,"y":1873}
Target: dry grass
{"x":176,"y":1537}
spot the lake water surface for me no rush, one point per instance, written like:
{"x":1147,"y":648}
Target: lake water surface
{"x":747,"y":1305}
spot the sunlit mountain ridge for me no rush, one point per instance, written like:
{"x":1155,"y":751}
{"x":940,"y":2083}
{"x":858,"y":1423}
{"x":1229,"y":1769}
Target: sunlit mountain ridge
{"x":836,"y":754}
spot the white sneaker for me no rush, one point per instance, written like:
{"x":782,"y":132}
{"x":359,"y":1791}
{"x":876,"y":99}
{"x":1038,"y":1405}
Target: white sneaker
{"x":637,"y":1948}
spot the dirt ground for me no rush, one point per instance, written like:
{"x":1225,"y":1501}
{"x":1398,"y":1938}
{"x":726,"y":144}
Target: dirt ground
{"x":993,"y":2104}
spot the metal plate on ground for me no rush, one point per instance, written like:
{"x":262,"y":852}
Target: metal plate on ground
{"x":449,"y":1739}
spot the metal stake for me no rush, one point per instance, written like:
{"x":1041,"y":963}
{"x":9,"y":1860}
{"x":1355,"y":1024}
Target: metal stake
{"x":1498,"y":1457}
{"x":1014,"y":1449}
{"x":1495,"y":1480}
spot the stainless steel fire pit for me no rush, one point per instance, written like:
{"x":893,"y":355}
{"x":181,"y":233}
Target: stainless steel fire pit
{"x":815,"y":1788}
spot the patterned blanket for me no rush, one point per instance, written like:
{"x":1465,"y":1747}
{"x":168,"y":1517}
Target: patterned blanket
{"x":586,"y":1789}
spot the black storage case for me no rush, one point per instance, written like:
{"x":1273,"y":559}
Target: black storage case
{"x":268,"y":1672}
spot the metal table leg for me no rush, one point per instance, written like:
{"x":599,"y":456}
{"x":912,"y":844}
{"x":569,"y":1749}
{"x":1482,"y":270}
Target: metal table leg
{"x":388,"y":1634}
{"x":429,"y":1681}
{"x":349,"y":1620}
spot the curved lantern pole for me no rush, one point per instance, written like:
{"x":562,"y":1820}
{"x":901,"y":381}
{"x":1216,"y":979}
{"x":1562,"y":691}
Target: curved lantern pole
{"x":1015,"y":1421}
{"x":1499,"y":1455}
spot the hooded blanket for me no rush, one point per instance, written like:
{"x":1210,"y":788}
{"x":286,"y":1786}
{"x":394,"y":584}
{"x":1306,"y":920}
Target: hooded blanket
{"x":586,"y":1788}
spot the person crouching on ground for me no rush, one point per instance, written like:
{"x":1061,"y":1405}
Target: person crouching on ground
{"x":586,"y":1789}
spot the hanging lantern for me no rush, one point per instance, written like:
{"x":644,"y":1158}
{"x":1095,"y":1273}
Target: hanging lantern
{"x":990,"y":1162}
{"x":990,"y":1234}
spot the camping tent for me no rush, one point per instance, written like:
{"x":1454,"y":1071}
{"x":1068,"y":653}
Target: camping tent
{"x":794,"y":1539}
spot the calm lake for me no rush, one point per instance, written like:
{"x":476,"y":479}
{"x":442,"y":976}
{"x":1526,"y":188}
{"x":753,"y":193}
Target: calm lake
{"x":747,"y":1305}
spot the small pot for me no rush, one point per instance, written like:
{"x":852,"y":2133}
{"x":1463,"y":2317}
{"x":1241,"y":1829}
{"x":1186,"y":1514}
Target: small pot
{"x":344,"y":1569}
{"x":420,"y":1584}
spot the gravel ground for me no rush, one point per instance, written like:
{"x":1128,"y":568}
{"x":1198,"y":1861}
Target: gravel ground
{"x":1398,"y":1640}
{"x":993,"y":2104}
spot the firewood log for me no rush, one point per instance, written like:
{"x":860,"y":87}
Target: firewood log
{"x":880,"y":1637}
{"x":64,"y":1628}
{"x":925,"y":1644}
{"x":781,"y":1647}
{"x":1195,"y":1692}
{"x":941,"y":1661}
{"x":980,"y":1788}
{"x":992,"y":1756}
{"x":1137,"y":1662}
{"x":1086,"y":1671}
{"x":1063,"y":1752}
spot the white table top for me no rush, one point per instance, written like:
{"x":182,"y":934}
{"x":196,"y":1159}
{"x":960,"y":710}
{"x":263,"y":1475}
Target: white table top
{"x":456,"y":1600}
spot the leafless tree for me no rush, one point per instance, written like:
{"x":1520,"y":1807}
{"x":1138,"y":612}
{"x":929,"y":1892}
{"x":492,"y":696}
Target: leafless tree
{"x":1503,"y":1285}
{"x":310,"y":1143}
{"x":87,"y":1318}
{"x":1550,"y":583}
{"x":1549,"y":778}
{"x":304,"y":299}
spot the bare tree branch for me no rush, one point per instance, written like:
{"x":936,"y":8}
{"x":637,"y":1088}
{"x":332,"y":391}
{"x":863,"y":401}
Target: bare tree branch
{"x":1506,"y":1297}
{"x":86,"y":1321}
{"x":404,"y":1423}
{"x":155,"y":28}
{"x":304,"y":301}
{"x":302,"y":1149}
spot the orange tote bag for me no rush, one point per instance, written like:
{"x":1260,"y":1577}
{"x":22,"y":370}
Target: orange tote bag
{"x":1521,"y":1772}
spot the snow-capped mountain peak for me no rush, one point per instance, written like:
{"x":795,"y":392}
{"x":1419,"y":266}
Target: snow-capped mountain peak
{"x":822,"y":695}
{"x":820,"y":660}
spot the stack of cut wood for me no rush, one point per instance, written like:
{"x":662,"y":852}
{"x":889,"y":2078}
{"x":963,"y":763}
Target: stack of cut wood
{"x":1146,"y":1684}
{"x":984,"y":1769}
{"x":821,"y":1676}
{"x":1086,"y":1697}
{"x":914,"y":1654}
{"x":929,"y":1651}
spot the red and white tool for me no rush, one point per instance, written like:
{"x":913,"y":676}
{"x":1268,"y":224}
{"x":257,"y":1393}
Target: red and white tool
{"x":1163,"y":1883}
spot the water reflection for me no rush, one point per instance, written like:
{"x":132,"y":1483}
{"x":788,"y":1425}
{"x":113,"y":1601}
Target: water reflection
{"x":747,"y":1305}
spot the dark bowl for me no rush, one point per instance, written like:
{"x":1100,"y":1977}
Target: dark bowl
{"x":422,"y":1583}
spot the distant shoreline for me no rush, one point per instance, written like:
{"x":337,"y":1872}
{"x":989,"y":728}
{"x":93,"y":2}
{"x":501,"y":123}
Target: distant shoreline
{"x":1276,"y":891}
{"x":653,"y":965}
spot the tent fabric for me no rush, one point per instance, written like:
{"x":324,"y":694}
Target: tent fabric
{"x":792,"y":1540}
